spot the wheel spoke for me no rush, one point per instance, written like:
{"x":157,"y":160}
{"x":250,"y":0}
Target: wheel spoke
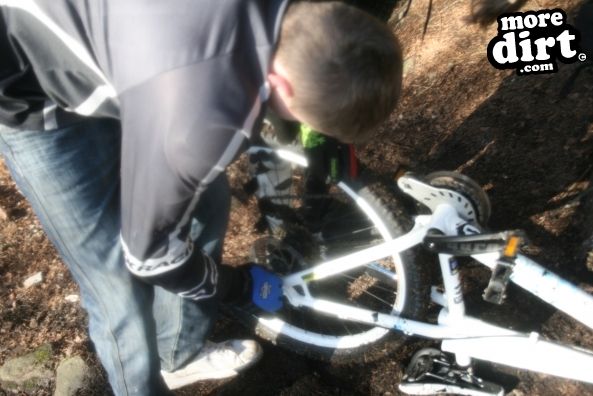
{"x":318,"y":226}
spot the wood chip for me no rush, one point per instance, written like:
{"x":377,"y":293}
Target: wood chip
{"x":33,"y":280}
{"x":3,"y":214}
{"x":73,"y":298}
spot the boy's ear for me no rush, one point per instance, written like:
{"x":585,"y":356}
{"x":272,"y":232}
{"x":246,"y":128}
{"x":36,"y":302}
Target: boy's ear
{"x":280,"y":84}
{"x":282,"y":92}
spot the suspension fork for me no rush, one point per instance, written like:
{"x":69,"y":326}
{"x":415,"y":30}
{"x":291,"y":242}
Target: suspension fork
{"x":452,"y":283}
{"x":448,"y":222}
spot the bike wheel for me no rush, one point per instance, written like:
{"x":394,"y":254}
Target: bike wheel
{"x":351,"y":218}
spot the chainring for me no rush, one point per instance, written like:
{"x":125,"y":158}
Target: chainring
{"x":423,"y":362}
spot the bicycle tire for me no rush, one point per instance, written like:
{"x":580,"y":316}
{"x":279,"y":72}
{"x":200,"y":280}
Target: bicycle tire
{"x":370,"y":343}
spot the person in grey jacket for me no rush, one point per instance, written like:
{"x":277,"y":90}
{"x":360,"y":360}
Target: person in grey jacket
{"x":117,"y":121}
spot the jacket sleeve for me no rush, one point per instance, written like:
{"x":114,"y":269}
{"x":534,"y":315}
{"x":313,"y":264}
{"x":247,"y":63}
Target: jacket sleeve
{"x":179,"y":132}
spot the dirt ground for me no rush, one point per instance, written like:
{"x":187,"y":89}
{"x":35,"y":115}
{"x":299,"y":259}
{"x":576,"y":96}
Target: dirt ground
{"x":527,"y":140}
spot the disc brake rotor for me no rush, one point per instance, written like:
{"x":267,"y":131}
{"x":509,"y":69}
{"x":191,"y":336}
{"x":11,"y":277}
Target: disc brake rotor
{"x":276,"y":255}
{"x":465,"y":186}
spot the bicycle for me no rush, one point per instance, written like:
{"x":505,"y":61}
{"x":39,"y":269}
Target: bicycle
{"x":350,"y":284}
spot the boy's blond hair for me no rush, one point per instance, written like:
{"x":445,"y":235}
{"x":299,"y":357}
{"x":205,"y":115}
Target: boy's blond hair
{"x":345,"y":67}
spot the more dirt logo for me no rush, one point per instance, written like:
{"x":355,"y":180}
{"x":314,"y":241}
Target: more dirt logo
{"x":532,"y":42}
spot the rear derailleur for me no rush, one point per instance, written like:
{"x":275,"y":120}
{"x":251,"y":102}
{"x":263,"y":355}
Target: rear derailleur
{"x":431,"y":372}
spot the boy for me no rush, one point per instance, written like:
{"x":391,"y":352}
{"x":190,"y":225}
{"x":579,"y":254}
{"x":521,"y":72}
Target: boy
{"x":117,"y":120}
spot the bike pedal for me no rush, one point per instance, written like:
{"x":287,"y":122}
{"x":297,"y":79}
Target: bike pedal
{"x":266,"y":291}
{"x":432,"y":372}
{"x":437,"y":388}
{"x":495,"y":292}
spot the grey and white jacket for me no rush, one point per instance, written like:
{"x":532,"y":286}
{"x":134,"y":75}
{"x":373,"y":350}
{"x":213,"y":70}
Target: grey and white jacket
{"x":186,"y":79}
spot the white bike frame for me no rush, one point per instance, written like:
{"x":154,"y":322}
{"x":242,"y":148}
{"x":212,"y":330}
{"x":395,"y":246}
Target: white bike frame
{"x":465,"y":336}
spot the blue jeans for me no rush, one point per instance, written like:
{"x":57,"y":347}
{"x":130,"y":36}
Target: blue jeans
{"x":70,"y":176}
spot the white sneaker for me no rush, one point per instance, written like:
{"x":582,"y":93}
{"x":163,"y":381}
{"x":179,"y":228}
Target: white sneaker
{"x":215,"y":361}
